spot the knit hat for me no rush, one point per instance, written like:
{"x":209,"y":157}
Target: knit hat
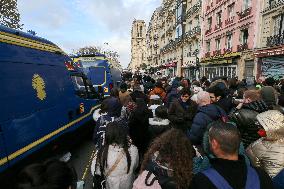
{"x":273,"y":123}
{"x":268,"y":95}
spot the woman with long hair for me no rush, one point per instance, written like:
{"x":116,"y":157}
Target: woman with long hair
{"x":117,"y":159}
{"x":167,"y":163}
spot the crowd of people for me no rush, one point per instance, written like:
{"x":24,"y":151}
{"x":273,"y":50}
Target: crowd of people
{"x":181,"y":134}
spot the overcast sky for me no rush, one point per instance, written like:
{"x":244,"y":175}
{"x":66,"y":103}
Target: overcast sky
{"x":77,"y":23}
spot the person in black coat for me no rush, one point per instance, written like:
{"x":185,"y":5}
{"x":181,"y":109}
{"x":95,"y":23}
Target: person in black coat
{"x":182,"y":110}
{"x":139,"y":126}
{"x":160,"y":123}
{"x":137,"y":93}
{"x":224,"y":142}
{"x":245,"y":116}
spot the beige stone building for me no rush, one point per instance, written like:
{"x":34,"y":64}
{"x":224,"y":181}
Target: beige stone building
{"x":153,"y":40}
{"x":173,"y":38}
{"x":270,"y":40}
{"x":138,"y":45}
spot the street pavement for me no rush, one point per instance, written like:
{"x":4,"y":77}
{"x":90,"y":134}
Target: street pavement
{"x":81,"y":158}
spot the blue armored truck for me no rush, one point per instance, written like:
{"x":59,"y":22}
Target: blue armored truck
{"x":98,"y":69}
{"x":43,"y":96}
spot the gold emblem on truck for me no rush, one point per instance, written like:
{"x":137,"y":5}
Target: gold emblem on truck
{"x":39,"y":85}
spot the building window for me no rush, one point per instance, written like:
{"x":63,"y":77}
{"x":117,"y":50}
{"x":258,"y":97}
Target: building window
{"x":190,"y":26}
{"x":229,"y":41}
{"x":231,"y":10}
{"x":278,"y":25}
{"x":179,"y":12}
{"x":209,"y":21}
{"x":218,"y":44}
{"x":178,"y":31}
{"x":208,"y":46}
{"x":197,"y":22}
{"x":246,"y":4}
{"x":219,"y":18}
{"x":140,"y":31}
{"x":244,"y":36}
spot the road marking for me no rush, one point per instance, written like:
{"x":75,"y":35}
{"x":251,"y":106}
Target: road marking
{"x":88,"y":165}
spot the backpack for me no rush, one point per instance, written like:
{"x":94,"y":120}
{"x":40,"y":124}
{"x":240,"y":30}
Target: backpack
{"x":252,"y":181}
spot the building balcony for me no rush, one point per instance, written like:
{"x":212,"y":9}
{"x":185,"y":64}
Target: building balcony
{"x":229,"y":21}
{"x":244,"y":13}
{"x":275,"y":40}
{"x":272,"y":5}
{"x":242,"y":47}
{"x":207,"y":55}
{"x":218,"y":26}
{"x":208,"y":31}
{"x":227,"y":50}
{"x":195,"y":8}
{"x":217,"y":52}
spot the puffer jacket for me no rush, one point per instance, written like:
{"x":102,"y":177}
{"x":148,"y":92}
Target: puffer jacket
{"x":205,"y":115}
{"x":157,"y":126}
{"x":245,"y":119}
{"x":158,"y":91}
{"x":268,"y":152}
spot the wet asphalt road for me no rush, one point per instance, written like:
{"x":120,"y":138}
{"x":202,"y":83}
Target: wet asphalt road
{"x":81,"y":161}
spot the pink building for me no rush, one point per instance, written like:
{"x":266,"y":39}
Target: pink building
{"x":228,"y":38}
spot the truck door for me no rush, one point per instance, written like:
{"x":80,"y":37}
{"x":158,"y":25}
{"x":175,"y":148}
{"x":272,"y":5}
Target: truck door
{"x":3,"y":155}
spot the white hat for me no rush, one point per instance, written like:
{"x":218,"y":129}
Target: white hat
{"x":154,"y":97}
{"x":273,"y":123}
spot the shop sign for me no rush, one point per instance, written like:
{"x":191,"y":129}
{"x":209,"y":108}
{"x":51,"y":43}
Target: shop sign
{"x":269,"y":52}
{"x":228,"y":55}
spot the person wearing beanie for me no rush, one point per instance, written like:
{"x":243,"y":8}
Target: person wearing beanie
{"x":270,"y":97}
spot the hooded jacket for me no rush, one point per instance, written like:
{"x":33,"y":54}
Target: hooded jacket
{"x":157,"y":126}
{"x":205,"y":115}
{"x":269,"y":154}
{"x":245,"y":119}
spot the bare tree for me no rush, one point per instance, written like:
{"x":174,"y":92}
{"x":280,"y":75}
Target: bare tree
{"x":9,"y":15}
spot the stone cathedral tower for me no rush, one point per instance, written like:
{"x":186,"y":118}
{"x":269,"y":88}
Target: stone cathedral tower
{"x":138,"y":45}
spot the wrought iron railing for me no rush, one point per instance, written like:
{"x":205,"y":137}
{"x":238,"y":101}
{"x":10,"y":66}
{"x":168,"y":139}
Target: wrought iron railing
{"x":272,"y":5}
{"x":275,"y":40}
{"x":229,"y":21}
{"x":244,"y":13}
{"x":242,"y":47}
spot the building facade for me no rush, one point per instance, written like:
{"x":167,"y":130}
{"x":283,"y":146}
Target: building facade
{"x":138,"y":45}
{"x":229,"y":33}
{"x":153,"y":41}
{"x":270,"y":42}
{"x":173,"y":38}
